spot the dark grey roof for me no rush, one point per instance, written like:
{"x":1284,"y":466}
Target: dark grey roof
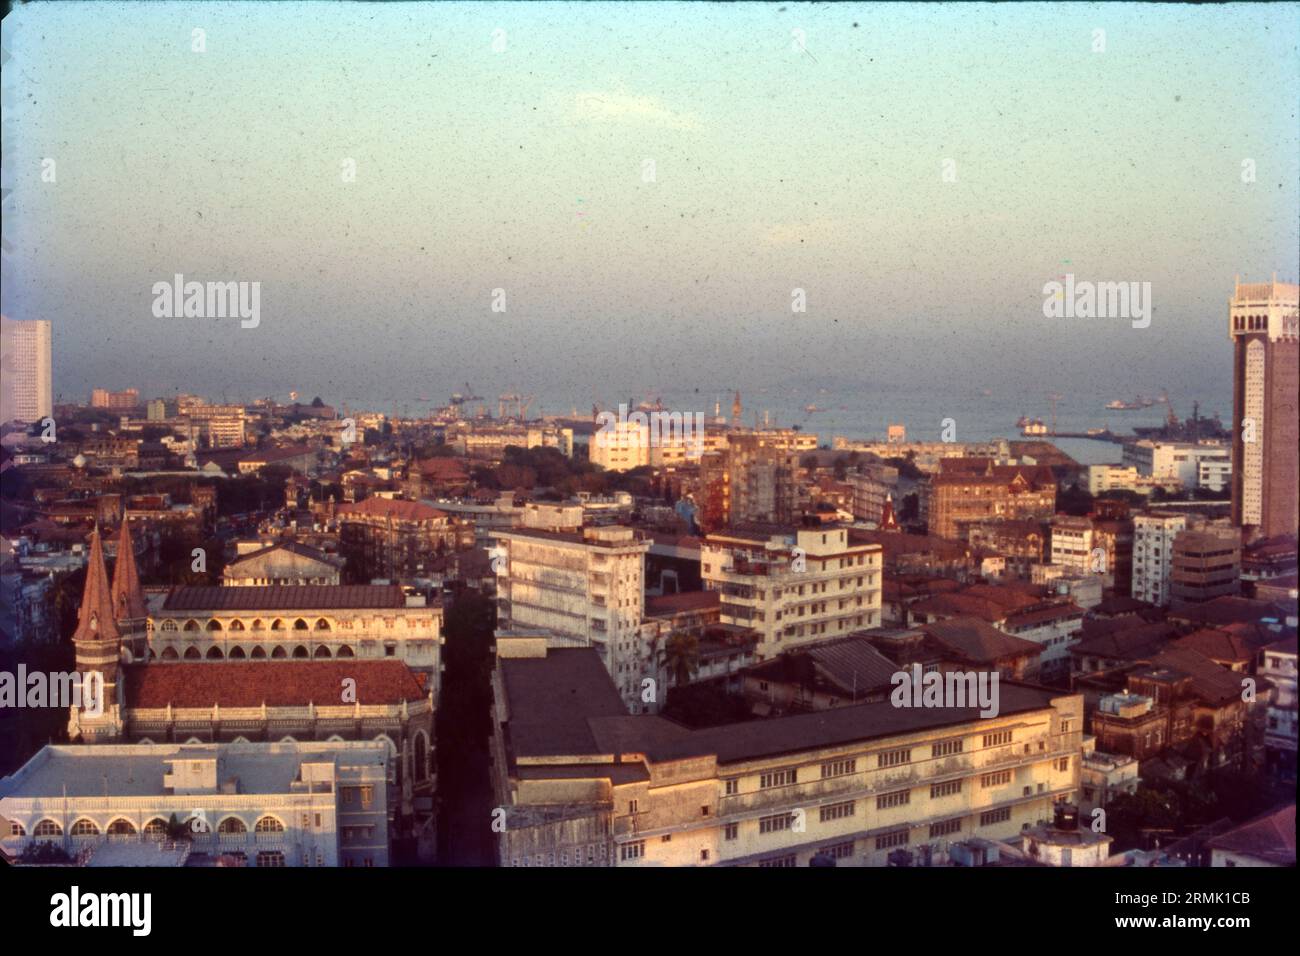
{"x":307,"y":597}
{"x":551,"y":697}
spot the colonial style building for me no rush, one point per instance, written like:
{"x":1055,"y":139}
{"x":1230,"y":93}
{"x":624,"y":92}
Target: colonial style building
{"x":280,"y":663}
{"x":267,"y":805}
{"x":390,"y":538}
{"x":369,"y":622}
{"x":580,"y":782}
{"x":965,"y":491}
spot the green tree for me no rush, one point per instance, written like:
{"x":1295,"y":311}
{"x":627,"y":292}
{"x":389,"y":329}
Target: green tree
{"x":681,"y":656}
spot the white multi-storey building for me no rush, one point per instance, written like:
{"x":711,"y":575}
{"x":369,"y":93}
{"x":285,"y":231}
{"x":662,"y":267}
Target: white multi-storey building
{"x":577,"y":587}
{"x":621,"y":446}
{"x":320,"y":803}
{"x":794,"y":586}
{"x":1181,"y":460}
{"x":1153,"y":555}
{"x":26,"y":388}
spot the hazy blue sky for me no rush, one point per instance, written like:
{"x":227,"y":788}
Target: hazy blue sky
{"x":776,"y":168}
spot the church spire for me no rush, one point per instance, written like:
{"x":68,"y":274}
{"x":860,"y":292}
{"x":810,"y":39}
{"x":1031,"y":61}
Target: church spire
{"x":887,"y":520}
{"x":96,"y":621}
{"x":128,"y":600}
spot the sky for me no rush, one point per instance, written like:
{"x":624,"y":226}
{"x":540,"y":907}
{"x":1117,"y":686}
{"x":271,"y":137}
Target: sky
{"x":505,"y":146}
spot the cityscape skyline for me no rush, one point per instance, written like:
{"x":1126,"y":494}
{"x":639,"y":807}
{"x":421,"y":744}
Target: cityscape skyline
{"x":598,"y":436}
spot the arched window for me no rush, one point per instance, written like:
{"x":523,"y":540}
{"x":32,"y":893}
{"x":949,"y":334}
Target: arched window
{"x":156,"y":828}
{"x":84,"y":827}
{"x":169,"y":654}
{"x":121,"y":827}
{"x":300,"y":652}
{"x":16,"y":829}
{"x":421,"y":746}
{"x":237,"y":654}
{"x":270,"y":858}
{"x":192,"y":654}
{"x":258,"y":653}
{"x":48,"y":828}
{"x":191,"y":626}
{"x":322,"y":625}
{"x":232,"y":825}
{"x":300,"y":625}
{"x":322,"y":652}
{"x":214,"y":625}
{"x":169,"y":625}
{"x":269,"y":825}
{"x":279,"y":652}
{"x":258,"y":625}
{"x":345,"y":651}
{"x":214,"y":654}
{"x":277,"y":625}
{"x":236,"y":625}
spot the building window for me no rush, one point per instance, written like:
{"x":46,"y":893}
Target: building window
{"x":837,"y":811}
{"x":997,"y":739}
{"x":367,"y":797}
{"x":888,"y":840}
{"x":839,"y":768}
{"x":995,"y":816}
{"x":778,"y":778}
{"x":1063,"y":764}
{"x":896,"y":799}
{"x":628,"y":851}
{"x":704,"y":856}
{"x":946,"y":748}
{"x":945,"y":827}
{"x":631,"y":806}
{"x":731,"y":831}
{"x":944,"y":789}
{"x":893,"y":758}
{"x":780,"y":862}
{"x":839,"y":851}
{"x":270,"y":858}
{"x":995,"y":779}
{"x":731,"y":787}
{"x":775,"y":823}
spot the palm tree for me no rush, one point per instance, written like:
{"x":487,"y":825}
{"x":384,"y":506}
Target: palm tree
{"x":681,"y":655}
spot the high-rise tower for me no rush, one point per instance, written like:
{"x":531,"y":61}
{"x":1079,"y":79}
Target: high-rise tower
{"x":1265,"y":330}
{"x":26,"y":390}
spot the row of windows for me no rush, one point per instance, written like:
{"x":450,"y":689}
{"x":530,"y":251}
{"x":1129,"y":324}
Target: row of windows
{"x":157,"y":827}
{"x":888,"y":758}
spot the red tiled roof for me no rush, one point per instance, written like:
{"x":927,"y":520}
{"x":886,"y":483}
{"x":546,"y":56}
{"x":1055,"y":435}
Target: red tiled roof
{"x":274,"y":683}
{"x":1270,"y":837}
{"x":313,"y":597}
{"x":394,"y":508}
{"x":1218,"y":645}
